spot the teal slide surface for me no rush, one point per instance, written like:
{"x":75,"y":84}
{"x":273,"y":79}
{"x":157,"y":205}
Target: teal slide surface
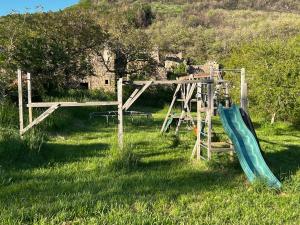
{"x":246,"y":147}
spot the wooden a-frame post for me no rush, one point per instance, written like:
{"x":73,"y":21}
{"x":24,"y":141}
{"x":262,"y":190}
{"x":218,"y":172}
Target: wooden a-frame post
{"x":199,"y":127}
{"x":244,"y":91}
{"x":170,"y":107}
{"x":20,"y":93}
{"x":29,"y":97}
{"x":120,"y":113}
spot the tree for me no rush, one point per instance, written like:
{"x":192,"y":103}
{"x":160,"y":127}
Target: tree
{"x":133,"y":47}
{"x":273,"y":69}
{"x":55,"y":47}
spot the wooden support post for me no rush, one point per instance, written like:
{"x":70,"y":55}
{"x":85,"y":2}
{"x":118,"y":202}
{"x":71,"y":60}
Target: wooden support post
{"x":209,"y":118}
{"x":130,"y":98}
{"x":231,"y":153}
{"x":20,"y":95}
{"x":39,"y":119}
{"x":138,"y":94}
{"x":198,"y":151}
{"x":120,"y":113}
{"x":244,"y":94}
{"x":29,"y":97}
{"x":211,"y":72}
{"x":71,"y":104}
{"x":170,"y":108}
{"x":185,"y":110}
{"x":227,"y":103}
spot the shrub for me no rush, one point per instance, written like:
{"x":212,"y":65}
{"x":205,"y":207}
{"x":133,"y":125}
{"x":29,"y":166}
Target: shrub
{"x":273,"y":76}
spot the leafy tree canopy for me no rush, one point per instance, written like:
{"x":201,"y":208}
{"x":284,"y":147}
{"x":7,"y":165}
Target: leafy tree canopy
{"x":273,"y":71}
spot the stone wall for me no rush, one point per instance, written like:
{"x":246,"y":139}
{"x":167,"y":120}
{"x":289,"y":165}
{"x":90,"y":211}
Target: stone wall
{"x":103,"y":77}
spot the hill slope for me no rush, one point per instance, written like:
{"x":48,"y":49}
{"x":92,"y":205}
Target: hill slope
{"x":206,"y":29}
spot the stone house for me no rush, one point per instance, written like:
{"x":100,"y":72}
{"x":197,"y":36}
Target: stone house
{"x":105,"y":77}
{"x":205,"y":68}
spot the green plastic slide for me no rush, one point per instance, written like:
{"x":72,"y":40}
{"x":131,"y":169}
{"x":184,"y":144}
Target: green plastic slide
{"x":246,"y":147}
{"x":168,"y":124}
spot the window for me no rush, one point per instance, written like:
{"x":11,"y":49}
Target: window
{"x":84,"y":86}
{"x":106,"y":82}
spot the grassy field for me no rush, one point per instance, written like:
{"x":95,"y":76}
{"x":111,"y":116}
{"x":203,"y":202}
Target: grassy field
{"x":75,"y":180}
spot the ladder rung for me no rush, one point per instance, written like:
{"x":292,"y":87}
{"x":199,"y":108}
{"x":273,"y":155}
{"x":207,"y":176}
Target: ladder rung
{"x":204,"y":146}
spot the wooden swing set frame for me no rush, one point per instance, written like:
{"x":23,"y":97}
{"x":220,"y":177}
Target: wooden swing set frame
{"x":191,"y":84}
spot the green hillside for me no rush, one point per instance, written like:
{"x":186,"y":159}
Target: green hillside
{"x":206,"y":29}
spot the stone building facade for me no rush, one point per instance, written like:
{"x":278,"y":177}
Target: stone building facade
{"x":104,"y":76}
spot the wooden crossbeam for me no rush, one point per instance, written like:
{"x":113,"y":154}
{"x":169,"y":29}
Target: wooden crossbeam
{"x":158,"y":82}
{"x":186,"y":109}
{"x":221,"y":149}
{"x":170,"y":108}
{"x":189,"y":95}
{"x":39,"y":119}
{"x":70,"y":104}
{"x":138,"y":94}
{"x":130,"y":97}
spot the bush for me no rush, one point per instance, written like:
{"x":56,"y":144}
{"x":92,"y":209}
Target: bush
{"x":273,"y":70}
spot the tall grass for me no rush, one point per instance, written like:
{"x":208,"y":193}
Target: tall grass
{"x":13,"y":148}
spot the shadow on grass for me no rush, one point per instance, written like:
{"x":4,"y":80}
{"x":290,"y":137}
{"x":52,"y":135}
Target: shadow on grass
{"x":71,"y":152}
{"x":153,"y":180}
{"x":160,"y":164}
{"x":54,"y":153}
{"x":285,"y":162}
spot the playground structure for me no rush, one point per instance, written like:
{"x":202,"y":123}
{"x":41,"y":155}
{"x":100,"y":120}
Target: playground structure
{"x":207,"y":94}
{"x":204,"y":90}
